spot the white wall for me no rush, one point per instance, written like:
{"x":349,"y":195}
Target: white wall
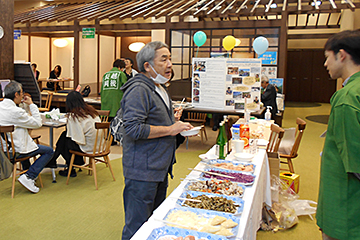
{"x":21,"y":49}
{"x":88,"y":60}
{"x":107,"y":50}
{"x":40,"y":55}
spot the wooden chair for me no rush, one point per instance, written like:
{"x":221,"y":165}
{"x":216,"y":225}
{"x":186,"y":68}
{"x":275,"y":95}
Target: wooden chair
{"x":301,"y":124}
{"x":6,"y":133}
{"x":102,"y":145}
{"x":104,"y":115}
{"x":196,"y":118}
{"x":47,"y":103}
{"x":275,"y":138}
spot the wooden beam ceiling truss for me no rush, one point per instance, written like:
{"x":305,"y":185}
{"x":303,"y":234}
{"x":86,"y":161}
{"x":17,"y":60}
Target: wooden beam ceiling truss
{"x":204,"y":10}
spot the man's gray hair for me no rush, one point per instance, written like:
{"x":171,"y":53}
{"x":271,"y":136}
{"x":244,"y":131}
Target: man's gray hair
{"x":12,"y":88}
{"x":147,"y":54}
{"x":264,"y":79}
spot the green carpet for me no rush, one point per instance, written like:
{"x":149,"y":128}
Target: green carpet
{"x":78,"y":211}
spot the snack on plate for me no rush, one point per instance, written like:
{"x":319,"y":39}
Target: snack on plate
{"x":224,"y":187}
{"x":238,"y":177}
{"x":172,"y":237}
{"x":218,"y":220}
{"x":229,"y":224}
{"x":212,"y":203}
{"x":236,"y":167}
{"x":194,"y":221}
{"x":224,"y":232}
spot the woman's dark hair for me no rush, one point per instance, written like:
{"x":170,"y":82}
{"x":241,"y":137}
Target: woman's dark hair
{"x":77,"y":108}
{"x":349,"y":41}
{"x":59,"y":70}
{"x":131,"y":61}
{"x":119,"y":63}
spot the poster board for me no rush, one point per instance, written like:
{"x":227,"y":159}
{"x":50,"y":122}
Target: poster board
{"x":224,"y":84}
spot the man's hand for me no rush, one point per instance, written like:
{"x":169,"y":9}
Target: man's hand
{"x":179,"y":126}
{"x":178,"y":113}
{"x":27,"y":100}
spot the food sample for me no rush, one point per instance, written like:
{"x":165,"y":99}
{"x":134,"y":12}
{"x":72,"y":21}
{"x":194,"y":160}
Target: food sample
{"x":194,"y":221}
{"x":238,"y":177}
{"x":218,"y":220}
{"x":217,"y":186}
{"x":229,"y":224}
{"x":224,"y":232}
{"x":180,"y":238}
{"x":236,"y":167}
{"x":221,"y":204}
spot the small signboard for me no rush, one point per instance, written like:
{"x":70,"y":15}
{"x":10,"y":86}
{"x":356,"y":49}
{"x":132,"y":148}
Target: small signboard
{"x":278,"y":83}
{"x":268,"y":58}
{"x":17,"y":34}
{"x":88,"y":33}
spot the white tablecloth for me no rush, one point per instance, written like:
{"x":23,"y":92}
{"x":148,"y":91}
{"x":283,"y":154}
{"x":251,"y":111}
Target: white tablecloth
{"x":254,"y":197}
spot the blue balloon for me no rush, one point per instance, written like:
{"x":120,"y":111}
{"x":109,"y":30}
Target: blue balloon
{"x":260,"y":45}
{"x":199,"y":38}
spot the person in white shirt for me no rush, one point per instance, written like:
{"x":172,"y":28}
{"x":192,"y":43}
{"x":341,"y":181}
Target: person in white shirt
{"x":11,"y":114}
{"x":80,"y":133}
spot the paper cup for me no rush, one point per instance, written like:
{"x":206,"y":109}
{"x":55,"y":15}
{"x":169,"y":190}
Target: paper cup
{"x":238,"y":145}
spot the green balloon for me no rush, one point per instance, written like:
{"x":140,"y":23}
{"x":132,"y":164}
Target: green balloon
{"x":199,"y":38}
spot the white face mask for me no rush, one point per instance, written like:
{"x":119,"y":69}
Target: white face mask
{"x":160,"y":79}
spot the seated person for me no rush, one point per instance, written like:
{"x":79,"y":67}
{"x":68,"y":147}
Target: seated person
{"x":54,"y":74}
{"x":11,"y":114}
{"x":80,"y":132}
{"x":36,"y":72}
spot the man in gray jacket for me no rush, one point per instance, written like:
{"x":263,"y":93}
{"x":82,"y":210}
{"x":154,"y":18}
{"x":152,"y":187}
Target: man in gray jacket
{"x":149,"y":142}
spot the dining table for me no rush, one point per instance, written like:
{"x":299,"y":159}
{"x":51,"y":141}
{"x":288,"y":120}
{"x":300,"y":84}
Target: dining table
{"x":254,"y":198}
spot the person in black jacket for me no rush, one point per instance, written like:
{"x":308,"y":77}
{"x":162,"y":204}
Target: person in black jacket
{"x":54,"y":74}
{"x":268,"y":97}
{"x":36,"y":72}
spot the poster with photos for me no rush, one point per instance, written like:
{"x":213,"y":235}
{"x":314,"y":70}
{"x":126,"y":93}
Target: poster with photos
{"x":269,"y":72}
{"x":225,"y":83}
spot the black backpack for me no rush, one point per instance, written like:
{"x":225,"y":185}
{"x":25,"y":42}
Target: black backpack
{"x":117,"y":126}
{"x":86,"y":91}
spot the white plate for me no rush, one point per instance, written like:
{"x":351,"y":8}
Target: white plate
{"x":191,"y":132}
{"x":207,"y":156}
{"x":247,"y":157}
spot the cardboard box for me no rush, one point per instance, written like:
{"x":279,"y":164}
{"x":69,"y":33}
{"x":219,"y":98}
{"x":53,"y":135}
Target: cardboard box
{"x":291,"y":179}
{"x":274,"y":163}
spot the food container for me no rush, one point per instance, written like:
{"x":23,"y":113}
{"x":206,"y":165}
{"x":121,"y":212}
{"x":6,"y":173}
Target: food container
{"x":235,"y":164}
{"x":215,"y":186}
{"x":244,"y":178}
{"x":193,"y":194}
{"x":199,"y":219}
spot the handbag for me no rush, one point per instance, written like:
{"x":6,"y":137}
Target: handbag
{"x":6,"y":166}
{"x":86,"y":91}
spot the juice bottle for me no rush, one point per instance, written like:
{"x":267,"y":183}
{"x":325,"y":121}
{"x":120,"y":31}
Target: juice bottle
{"x":245,"y":134}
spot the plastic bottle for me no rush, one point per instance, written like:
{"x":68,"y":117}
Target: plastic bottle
{"x":221,"y":142}
{"x":236,"y":131}
{"x":268,"y":113}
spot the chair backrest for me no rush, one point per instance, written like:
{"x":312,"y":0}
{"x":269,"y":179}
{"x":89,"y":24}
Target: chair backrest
{"x":48,"y":100}
{"x":104,"y":115}
{"x":301,"y":124}
{"x":276,"y":136}
{"x":7,"y":144}
{"x":196,"y":116}
{"x":103,"y":138}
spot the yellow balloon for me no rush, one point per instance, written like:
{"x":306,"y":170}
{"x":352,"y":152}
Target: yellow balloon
{"x":229,"y":42}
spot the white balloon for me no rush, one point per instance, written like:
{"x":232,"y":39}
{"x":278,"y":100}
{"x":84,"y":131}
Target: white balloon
{"x":260,"y":45}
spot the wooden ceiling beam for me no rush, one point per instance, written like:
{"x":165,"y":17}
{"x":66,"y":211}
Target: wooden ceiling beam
{"x":135,"y":6}
{"x":106,"y":14}
{"x":47,"y":12}
{"x":56,"y":13}
{"x":309,"y":36}
{"x":204,"y":7}
{"x":92,"y":10}
{"x":228,"y":6}
{"x":169,"y":9}
{"x":149,"y":3}
{"x":216,"y":7}
{"x":149,"y":10}
{"x":154,"y":12}
{"x":242,"y":5}
{"x":178,"y":9}
{"x":64,"y":15}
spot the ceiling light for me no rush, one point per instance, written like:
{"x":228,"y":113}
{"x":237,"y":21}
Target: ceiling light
{"x":274,"y":5}
{"x":318,"y":3}
{"x":60,"y":42}
{"x":136,"y":46}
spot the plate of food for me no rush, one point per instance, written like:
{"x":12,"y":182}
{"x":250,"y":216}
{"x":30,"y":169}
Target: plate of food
{"x":223,"y":187}
{"x":214,"y":225}
{"x":211,"y":202}
{"x":191,"y":132}
{"x":230,"y":165}
{"x":235,"y":176}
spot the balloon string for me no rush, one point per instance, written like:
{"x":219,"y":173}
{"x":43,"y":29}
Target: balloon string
{"x":197,"y":51}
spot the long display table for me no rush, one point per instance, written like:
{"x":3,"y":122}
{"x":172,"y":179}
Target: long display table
{"x":254,"y":197}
